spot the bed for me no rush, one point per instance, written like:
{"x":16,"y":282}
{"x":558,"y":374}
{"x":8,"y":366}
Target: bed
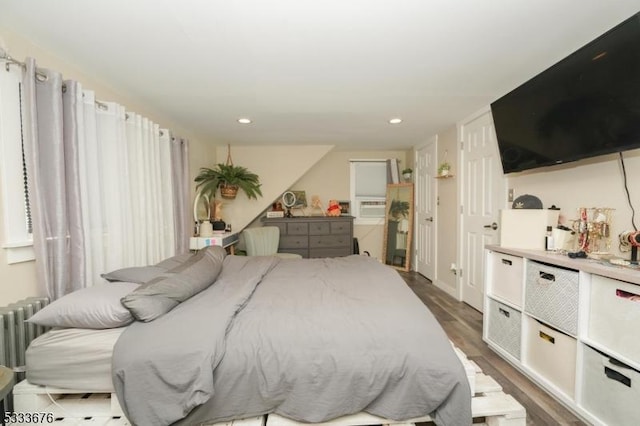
{"x":306,"y":339}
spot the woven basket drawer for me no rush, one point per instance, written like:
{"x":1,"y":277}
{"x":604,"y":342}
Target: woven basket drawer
{"x":610,"y":390}
{"x":551,"y":294}
{"x":551,"y":354}
{"x":614,"y":316}
{"x":506,"y":278}
{"x":504,"y":327}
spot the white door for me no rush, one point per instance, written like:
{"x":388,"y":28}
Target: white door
{"x":483,"y":195}
{"x":425,"y":219}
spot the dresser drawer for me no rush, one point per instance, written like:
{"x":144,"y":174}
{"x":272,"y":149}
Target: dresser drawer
{"x":319,"y":228}
{"x":610,"y":389}
{"x":551,"y":295}
{"x":322,"y":241}
{"x":329,"y":252}
{"x":504,"y":327}
{"x":297,"y":228}
{"x":293,"y":242}
{"x":552,"y":355}
{"x":506,"y":278}
{"x":342,"y":227}
{"x":614,"y":316}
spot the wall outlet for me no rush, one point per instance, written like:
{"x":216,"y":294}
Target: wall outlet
{"x":510,"y":196}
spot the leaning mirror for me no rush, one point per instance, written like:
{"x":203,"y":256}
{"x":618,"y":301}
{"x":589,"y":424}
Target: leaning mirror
{"x":398,"y":225}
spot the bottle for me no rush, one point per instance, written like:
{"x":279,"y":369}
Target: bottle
{"x":548,"y":240}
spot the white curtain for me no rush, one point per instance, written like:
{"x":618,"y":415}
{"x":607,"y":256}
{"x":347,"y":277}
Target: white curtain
{"x":182,"y":216}
{"x":101,"y":181}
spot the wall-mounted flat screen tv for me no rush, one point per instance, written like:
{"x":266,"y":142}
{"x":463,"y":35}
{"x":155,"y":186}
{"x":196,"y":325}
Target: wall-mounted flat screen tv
{"x":586,"y":105}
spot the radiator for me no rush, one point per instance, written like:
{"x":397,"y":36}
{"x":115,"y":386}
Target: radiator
{"x":16,"y":334}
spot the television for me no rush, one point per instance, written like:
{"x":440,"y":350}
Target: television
{"x":586,"y":105}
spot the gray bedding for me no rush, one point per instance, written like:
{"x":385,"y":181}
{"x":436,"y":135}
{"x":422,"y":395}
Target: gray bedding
{"x":309,"y":339}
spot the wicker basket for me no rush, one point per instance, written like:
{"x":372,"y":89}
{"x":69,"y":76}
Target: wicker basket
{"x":228,"y":192}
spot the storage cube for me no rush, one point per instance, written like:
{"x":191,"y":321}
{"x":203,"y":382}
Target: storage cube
{"x":551,"y":354}
{"x":614,"y":316}
{"x":526,"y":228}
{"x":611,"y":390}
{"x":504,"y":327}
{"x":551,"y":295}
{"x":506,"y":278}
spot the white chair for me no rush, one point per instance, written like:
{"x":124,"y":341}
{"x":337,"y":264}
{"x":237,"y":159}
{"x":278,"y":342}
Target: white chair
{"x":263,"y":241}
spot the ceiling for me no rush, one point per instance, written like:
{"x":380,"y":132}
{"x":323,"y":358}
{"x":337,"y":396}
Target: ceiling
{"x":313,"y":71}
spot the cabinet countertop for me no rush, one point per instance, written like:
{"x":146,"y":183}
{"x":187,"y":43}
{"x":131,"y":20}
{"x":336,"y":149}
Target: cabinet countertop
{"x":593,"y":266}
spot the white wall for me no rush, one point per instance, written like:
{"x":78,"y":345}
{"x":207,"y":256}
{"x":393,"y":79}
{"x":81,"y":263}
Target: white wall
{"x":447,"y":212}
{"x":19,"y":280}
{"x":596,"y":182}
{"x":278,"y":167}
{"x":330,"y":179}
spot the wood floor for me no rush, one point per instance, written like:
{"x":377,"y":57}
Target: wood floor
{"x":463,"y":325}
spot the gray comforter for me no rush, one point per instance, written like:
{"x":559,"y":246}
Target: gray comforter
{"x":309,"y":339}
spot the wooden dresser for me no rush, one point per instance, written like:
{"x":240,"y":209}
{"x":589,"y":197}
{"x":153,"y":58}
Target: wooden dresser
{"x":314,"y":236}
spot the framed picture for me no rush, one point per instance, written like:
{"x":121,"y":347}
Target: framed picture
{"x":345,"y":208}
{"x":301,"y":199}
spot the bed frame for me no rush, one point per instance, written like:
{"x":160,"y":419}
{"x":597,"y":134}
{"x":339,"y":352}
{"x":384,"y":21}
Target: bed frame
{"x":80,"y":407}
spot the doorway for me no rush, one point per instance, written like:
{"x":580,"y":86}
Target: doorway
{"x":426,"y":199}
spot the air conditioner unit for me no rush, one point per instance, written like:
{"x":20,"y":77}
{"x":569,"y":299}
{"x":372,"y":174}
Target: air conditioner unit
{"x":372,"y":208}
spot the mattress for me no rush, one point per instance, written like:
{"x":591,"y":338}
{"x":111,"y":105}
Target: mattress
{"x":73,"y":358}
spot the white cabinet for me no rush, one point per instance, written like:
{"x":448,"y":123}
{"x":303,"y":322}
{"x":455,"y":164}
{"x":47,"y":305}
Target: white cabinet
{"x":571,"y":325}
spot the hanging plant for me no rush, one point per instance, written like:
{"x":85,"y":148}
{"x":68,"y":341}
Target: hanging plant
{"x":444,"y":168}
{"x":229,"y":178}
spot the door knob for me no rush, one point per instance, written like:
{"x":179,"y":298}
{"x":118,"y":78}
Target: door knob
{"x":493,"y":226}
{"x":429,"y":219}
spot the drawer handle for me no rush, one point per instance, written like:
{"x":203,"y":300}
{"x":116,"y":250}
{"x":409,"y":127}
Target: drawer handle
{"x":618,"y":377}
{"x":627,"y":295}
{"x":507,"y":262}
{"x":545,"y":276}
{"x":504,"y":312}
{"x":545,"y":336}
{"x":618,"y":363}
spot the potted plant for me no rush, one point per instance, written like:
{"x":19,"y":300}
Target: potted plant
{"x":406,"y":173}
{"x":444,"y":168}
{"x":229,"y":179}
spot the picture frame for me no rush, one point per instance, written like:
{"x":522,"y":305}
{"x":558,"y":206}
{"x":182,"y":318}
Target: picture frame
{"x":301,"y":199}
{"x":345,"y":207}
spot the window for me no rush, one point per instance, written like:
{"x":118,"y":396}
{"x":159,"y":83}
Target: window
{"x":18,"y":239}
{"x":368,"y":191}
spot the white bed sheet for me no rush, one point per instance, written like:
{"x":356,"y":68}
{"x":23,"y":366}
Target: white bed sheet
{"x":73,"y":358}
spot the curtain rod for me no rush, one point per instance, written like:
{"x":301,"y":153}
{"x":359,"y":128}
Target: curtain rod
{"x":13,"y":61}
{"x":4,"y":56}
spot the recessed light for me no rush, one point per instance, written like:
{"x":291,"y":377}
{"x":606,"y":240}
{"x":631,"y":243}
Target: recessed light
{"x":244,"y":120}
{"x":395,"y":121}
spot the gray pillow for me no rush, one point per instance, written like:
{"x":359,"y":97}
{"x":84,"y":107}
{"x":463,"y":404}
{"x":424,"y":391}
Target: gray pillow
{"x":95,"y":307}
{"x":163,"y":293}
{"x":175,"y":261}
{"x":134,"y":274}
{"x":143,"y":274}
